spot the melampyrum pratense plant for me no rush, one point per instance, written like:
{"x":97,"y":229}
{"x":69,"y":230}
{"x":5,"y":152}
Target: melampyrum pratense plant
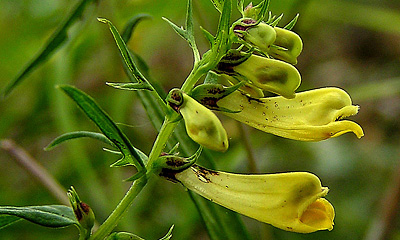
{"x":247,"y":59}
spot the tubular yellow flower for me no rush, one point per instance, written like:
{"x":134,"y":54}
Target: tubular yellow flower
{"x":311,"y":116}
{"x":289,"y":46}
{"x":267,"y":74}
{"x":290,"y":201}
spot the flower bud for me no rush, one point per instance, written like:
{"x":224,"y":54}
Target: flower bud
{"x":202,"y":125}
{"x":83,"y":213}
{"x":261,"y":36}
{"x":267,"y":74}
{"x":287,"y":46}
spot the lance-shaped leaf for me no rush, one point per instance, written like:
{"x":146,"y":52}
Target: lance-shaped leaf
{"x":130,"y":86}
{"x":56,"y":40}
{"x":78,"y":134}
{"x":107,"y":127}
{"x":54,"y":216}
{"x":125,"y":52}
{"x":187,"y":33}
{"x":290,"y":201}
{"x":131,"y":24}
{"x":310,"y":116}
{"x":218,"y":4}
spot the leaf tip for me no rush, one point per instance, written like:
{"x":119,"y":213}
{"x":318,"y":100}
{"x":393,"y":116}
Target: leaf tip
{"x":102,"y":20}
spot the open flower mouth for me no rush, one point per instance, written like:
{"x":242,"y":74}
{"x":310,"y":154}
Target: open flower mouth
{"x":319,"y":215}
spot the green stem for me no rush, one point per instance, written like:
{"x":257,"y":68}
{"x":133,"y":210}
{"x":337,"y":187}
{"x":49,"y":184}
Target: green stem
{"x":106,"y":228}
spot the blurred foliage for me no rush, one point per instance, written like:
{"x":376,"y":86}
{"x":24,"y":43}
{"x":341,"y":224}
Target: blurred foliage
{"x":351,"y":44}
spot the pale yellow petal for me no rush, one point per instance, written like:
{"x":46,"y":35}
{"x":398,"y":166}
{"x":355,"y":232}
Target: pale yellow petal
{"x":310,"y":116}
{"x":284,"y":200}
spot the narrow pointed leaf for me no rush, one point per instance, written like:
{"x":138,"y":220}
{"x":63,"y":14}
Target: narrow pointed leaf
{"x":105,"y":124}
{"x":276,"y":21}
{"x":210,"y":38}
{"x":78,"y":134}
{"x":181,"y":32}
{"x":223,"y":27}
{"x":169,"y":234}
{"x":218,"y":4}
{"x":131,"y":86}
{"x":240,"y":5}
{"x":124,"y":51}
{"x":123,"y":236}
{"x":130,"y":26}
{"x":263,"y":10}
{"x":56,"y":40}
{"x":188,"y":32}
{"x":291,"y":24}
{"x":54,"y":216}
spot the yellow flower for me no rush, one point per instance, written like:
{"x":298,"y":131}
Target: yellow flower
{"x":265,"y":73}
{"x":290,"y":201}
{"x":287,"y":46}
{"x":310,"y":116}
{"x":202,"y":125}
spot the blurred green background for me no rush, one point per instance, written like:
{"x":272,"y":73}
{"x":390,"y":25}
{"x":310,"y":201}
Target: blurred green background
{"x":351,"y":44}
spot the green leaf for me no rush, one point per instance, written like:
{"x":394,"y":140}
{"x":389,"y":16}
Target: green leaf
{"x":123,"y":49}
{"x":131,"y":236}
{"x":276,"y":21}
{"x":263,"y":10}
{"x":107,"y":127}
{"x":291,"y":24}
{"x":221,"y":40}
{"x":210,"y":38}
{"x":123,"y":236}
{"x":218,"y":4}
{"x":54,"y":216}
{"x":187,"y":33}
{"x":153,"y":109}
{"x":168,"y":236}
{"x":240,"y":6}
{"x":131,"y":86}
{"x":130,"y":26}
{"x":78,"y":134}
{"x":181,"y":32}
{"x":56,"y":40}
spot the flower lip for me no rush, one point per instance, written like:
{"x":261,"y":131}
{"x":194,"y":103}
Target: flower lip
{"x":319,"y":215}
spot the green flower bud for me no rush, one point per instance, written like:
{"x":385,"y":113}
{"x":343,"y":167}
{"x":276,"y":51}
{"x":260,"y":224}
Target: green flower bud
{"x":83,"y":213}
{"x":287,"y":46}
{"x":202,"y":125}
{"x":267,"y":74}
{"x":261,"y":36}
